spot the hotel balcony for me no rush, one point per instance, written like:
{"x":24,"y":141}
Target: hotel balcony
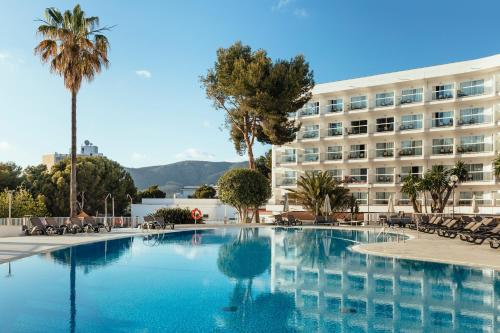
{"x":287,"y":159}
{"x":309,"y":111}
{"x":442,"y":150}
{"x":384,"y":179}
{"x":439,"y":123}
{"x":472,"y":91}
{"x":410,"y":152}
{"x":408,"y":126}
{"x":384,"y":102}
{"x":358,"y":106}
{"x":334,"y":109}
{"x":356,"y":155}
{"x":386,"y":128}
{"x":357,"y":130}
{"x":384,"y":153}
{"x":411,"y":99}
{"x":287,"y":182}
{"x":310,"y":158}
{"x":333,"y":133}
{"x":475,"y":148}
{"x":334,"y":157}
{"x":309,"y":135}
{"x":466,"y":121}
{"x":356,"y":179}
{"x":442,"y":95}
{"x":479,"y":177}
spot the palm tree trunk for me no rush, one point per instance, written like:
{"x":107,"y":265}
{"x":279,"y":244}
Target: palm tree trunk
{"x":72,"y":191}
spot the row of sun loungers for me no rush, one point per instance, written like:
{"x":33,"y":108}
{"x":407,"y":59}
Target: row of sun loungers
{"x":475,"y":230}
{"x":156,"y":222}
{"x":289,"y":221}
{"x":50,"y":226}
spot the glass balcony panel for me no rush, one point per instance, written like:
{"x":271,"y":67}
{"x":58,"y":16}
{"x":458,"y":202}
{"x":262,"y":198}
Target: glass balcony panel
{"x":473,"y":116}
{"x":310,"y":109}
{"x":335,"y":105}
{"x":358,"y":103}
{"x":471,"y":88}
{"x":442,"y":92}
{"x":313,"y":157}
{"x":409,"y":96}
{"x":311,"y":134}
{"x":465,"y":148}
{"x":288,"y":181}
{"x":382,"y":198}
{"x":333,"y":156}
{"x":411,"y":122}
{"x":288,"y":159}
{"x":384,"y":99}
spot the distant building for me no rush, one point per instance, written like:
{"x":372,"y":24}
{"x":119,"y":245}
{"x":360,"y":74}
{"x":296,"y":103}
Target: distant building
{"x":87,"y":149}
{"x":188,"y":191}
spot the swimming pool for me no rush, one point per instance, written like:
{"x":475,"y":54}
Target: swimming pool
{"x":242,"y":280}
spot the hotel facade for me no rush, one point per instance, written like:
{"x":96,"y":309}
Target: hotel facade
{"x":372,"y":132}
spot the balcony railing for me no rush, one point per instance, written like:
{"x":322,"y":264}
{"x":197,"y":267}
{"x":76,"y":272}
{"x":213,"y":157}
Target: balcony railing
{"x":381,"y":128}
{"x":384,"y":179}
{"x":334,"y":132}
{"x":356,"y":179}
{"x":442,"y":95}
{"x":471,"y":91}
{"x":442,"y":150}
{"x":309,"y":111}
{"x":311,"y":157}
{"x":384,"y":102}
{"x":359,"y":105}
{"x":288,"y":159}
{"x":410,"y":125}
{"x":354,"y":130}
{"x":474,"y":120}
{"x":357,"y":154}
{"x":314,"y":134}
{"x":334,"y":156}
{"x":479,"y":176}
{"x":381,"y":153}
{"x":288,"y":182}
{"x":410,"y":152}
{"x":441,"y":122}
{"x":409,"y":99}
{"x":471,"y":148}
{"x":334,"y":108}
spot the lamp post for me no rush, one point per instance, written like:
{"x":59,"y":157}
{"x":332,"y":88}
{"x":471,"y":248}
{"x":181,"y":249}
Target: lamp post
{"x":454,"y":180}
{"x":9,"y":194}
{"x":106,"y":208}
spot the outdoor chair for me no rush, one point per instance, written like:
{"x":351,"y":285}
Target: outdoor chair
{"x":479,"y":237}
{"x":37,"y":227}
{"x":446,"y":229}
{"x":278,"y":220}
{"x":74,"y":225}
{"x":161,"y":223}
{"x":293,"y":221}
{"x":52,"y":222}
{"x":149,"y":222}
{"x":91,"y":224}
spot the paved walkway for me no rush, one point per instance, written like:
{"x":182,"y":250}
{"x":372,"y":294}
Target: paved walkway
{"x":421,"y":246}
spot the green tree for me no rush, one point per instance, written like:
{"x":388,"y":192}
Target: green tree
{"x":264,"y":164}
{"x":204,"y":192}
{"x":496,"y":166}
{"x":23,"y":203}
{"x":257,"y":95}
{"x":10,"y":176}
{"x":97,"y":177}
{"x":244,"y":189}
{"x":313,"y":187}
{"x":152,"y":192}
{"x":412,"y":188}
{"x":76,"y":49}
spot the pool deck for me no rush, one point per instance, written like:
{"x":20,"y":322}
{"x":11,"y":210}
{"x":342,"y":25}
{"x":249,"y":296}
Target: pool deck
{"x":420,"y":246}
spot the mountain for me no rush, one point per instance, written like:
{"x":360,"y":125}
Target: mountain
{"x":172,"y":177}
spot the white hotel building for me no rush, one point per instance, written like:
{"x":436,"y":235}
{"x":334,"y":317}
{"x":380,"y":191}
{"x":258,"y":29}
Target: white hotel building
{"x":373,"y":131}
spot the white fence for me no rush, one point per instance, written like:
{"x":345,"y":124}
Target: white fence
{"x":115,"y":222}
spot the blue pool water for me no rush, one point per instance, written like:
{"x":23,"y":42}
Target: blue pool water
{"x":242,"y":280}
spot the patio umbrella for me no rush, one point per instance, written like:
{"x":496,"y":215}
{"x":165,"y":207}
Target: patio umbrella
{"x":390,"y":208}
{"x":475,"y":207}
{"x":286,"y":206}
{"x":327,"y":207}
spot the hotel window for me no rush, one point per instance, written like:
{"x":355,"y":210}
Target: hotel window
{"x":471,"y":88}
{"x":336,"y":174}
{"x":384,"y":149}
{"x":382,"y":198}
{"x":361,"y":197}
{"x":465,"y":198}
{"x":404,"y":199}
{"x":289,"y":156}
{"x":384,"y":99}
{"x":359,"y":175}
{"x":411,"y":148}
{"x":384,"y":175}
{"x":358,"y":127}
{"x":311,"y":132}
{"x":334,"y":153}
{"x":473,"y":144}
{"x":310,"y":109}
{"x":442,"y":146}
{"x":442,"y":119}
{"x":335,"y":105}
{"x":409,"y":96}
{"x":335,"y":129}
{"x":311,"y":154}
{"x":358,"y":151}
{"x":471,"y":116}
{"x":475,"y":173}
{"x":412,"y":171}
{"x":359,"y":102}
{"x":289,"y":178}
{"x":442,"y":92}
{"x":411,"y":122}
{"x":385,"y":124}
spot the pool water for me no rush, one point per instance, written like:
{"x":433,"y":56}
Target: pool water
{"x":242,"y":280}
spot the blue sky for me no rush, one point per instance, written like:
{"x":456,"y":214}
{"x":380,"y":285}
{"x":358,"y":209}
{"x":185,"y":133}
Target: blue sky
{"x":149,"y":108}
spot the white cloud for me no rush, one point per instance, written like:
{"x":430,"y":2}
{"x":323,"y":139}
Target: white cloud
{"x":194,"y":154}
{"x":4,"y":145}
{"x":300,"y":12}
{"x":143,"y":73}
{"x":137,"y":157}
{"x":281,"y":4}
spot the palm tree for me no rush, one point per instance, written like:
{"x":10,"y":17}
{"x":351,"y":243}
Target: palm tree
{"x":76,"y":49}
{"x":496,"y":166}
{"x":411,"y":187}
{"x":313,"y":187}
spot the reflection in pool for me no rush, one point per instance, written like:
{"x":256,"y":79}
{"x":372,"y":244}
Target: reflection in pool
{"x":243,"y":280}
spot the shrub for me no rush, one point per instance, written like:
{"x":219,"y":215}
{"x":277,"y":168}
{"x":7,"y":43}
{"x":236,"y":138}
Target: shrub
{"x":176,"y":215}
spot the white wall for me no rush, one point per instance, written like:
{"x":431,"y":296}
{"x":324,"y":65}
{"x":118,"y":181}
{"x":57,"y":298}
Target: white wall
{"x":215,"y":209}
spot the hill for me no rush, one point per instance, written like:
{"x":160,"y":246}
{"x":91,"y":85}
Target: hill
{"x":172,"y":177}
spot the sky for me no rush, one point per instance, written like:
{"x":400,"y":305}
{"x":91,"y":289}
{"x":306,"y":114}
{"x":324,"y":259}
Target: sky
{"x":149,"y":107}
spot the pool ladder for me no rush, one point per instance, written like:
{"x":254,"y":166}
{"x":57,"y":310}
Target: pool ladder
{"x":400,"y":232}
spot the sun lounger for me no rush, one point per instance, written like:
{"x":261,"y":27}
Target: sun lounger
{"x":74,"y":225}
{"x":37,"y":227}
{"x":161,"y":223}
{"x":495,"y":242}
{"x":324,"y":220}
{"x":91,"y":224}
{"x":468,"y":231}
{"x":52,"y":222}
{"x":293,"y":221}
{"x":479,"y":236}
{"x":278,"y":220}
{"x":446,"y":228}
